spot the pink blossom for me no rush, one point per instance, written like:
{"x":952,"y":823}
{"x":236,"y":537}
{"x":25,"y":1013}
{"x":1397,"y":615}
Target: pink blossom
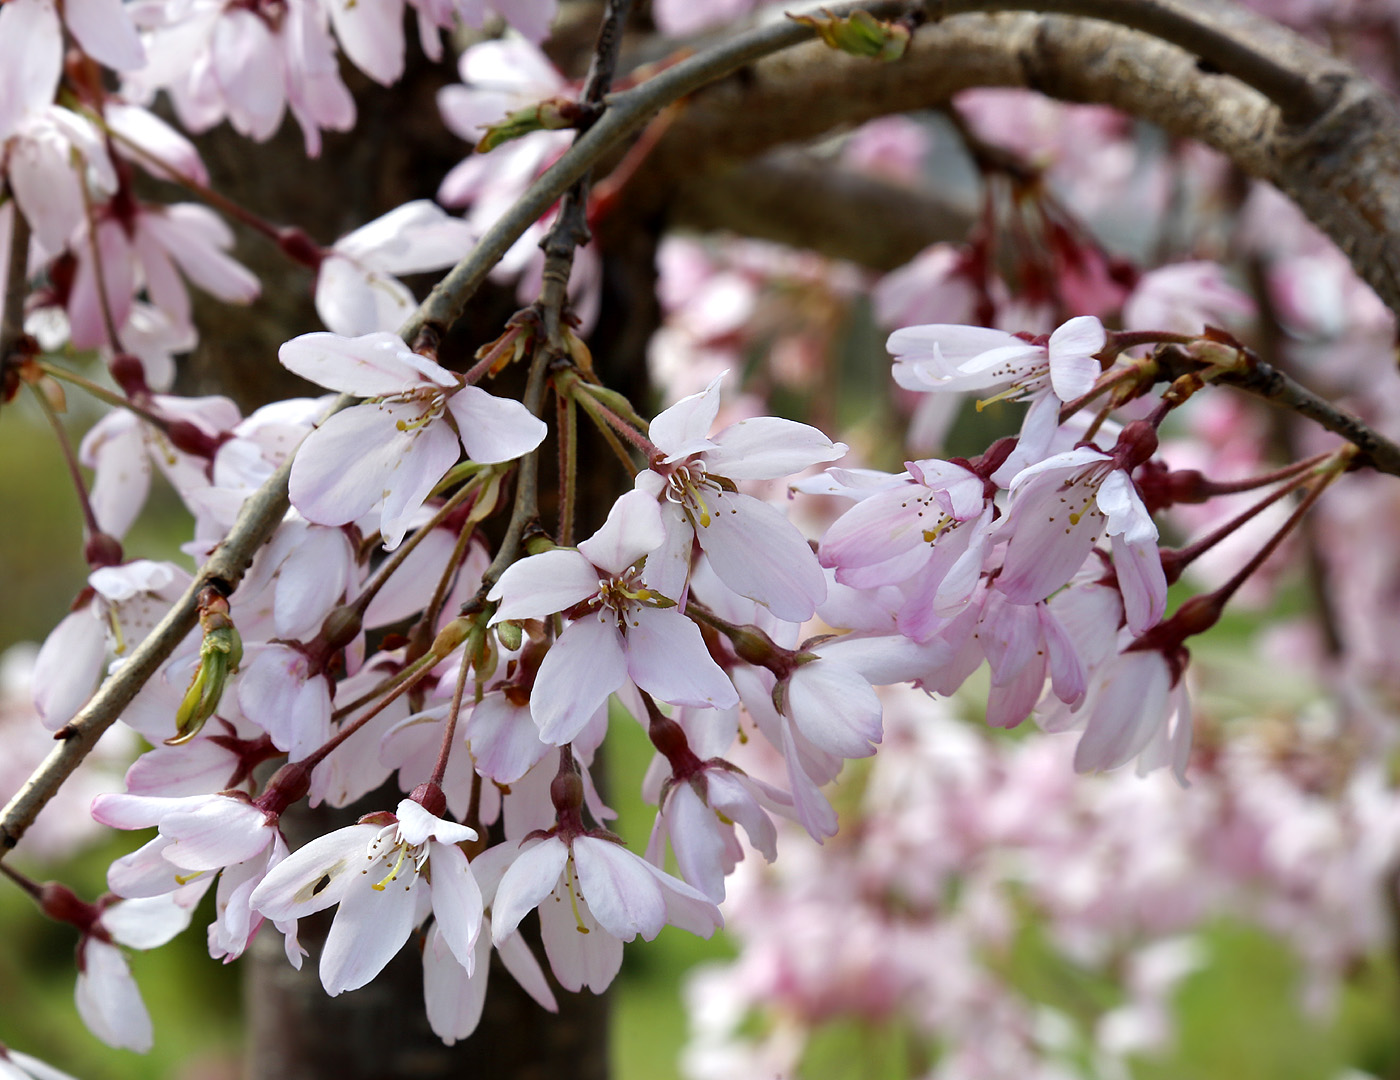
{"x":400,"y":443}
{"x":377,"y":877}
{"x":752,"y":547}
{"x":627,"y":629}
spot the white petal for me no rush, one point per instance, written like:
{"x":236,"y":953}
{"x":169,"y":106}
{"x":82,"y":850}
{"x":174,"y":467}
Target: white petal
{"x":633,"y":529}
{"x":370,"y":927}
{"x":297,"y":886}
{"x":373,"y":365}
{"x":494,"y":428}
{"x":683,"y":428}
{"x":108,"y":1000}
{"x":543,"y":584}
{"x":457,"y":902}
{"x":759,"y":553}
{"x":766,"y":447}
{"x":581,"y":669}
{"x":530,"y":879}
{"x":666,"y":656}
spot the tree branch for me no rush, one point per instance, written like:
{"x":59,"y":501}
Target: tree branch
{"x":1343,"y":169}
{"x":12,"y":311}
{"x":799,"y":200}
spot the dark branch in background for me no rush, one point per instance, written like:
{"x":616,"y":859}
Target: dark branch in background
{"x":1190,"y":26}
{"x":1343,"y":169}
{"x":809,"y":203}
{"x":12,"y":313}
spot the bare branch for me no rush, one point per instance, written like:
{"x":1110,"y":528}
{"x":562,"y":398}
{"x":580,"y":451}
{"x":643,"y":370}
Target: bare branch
{"x":799,"y":200}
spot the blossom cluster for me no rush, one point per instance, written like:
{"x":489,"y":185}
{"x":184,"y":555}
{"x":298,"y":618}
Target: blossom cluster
{"x":416,"y":636}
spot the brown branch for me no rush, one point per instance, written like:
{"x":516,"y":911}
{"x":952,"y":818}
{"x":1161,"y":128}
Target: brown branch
{"x":798,"y":200}
{"x":1343,"y":169}
{"x":16,"y":283}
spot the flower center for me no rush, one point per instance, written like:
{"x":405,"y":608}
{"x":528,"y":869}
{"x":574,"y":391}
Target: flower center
{"x":688,"y":486}
{"x":390,"y":848}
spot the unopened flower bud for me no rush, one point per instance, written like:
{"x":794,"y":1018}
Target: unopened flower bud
{"x":220,"y":653}
{"x":552,"y":114}
{"x":860,"y":34}
{"x":510,"y":635}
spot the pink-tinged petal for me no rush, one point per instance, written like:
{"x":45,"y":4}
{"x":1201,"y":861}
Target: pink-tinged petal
{"x":108,"y":1000}
{"x":193,"y":769}
{"x":276,"y":692}
{"x":87,"y":322}
{"x":1068,"y":677}
{"x":581,"y":953}
{"x":633,"y":529}
{"x":1127,"y":712}
{"x":876,"y":529}
{"x":523,"y":967}
{"x":371,"y":35}
{"x":1053,"y":528}
{"x":835,"y":707}
{"x":353,"y":299}
{"x":813,"y":811}
{"x":1073,"y":368}
{"x":624,"y":898}
{"x":503,"y":739}
{"x":115,"y":448}
{"x":765,"y":447}
{"x":954,"y":343}
{"x":46,"y":177}
{"x":149,"y":132}
{"x":432,"y":449}
{"x":730,"y":795}
{"x":453,"y":995}
{"x":216,"y":833}
{"x":668,"y":566}
{"x":494,"y":428}
{"x":311,"y":582}
{"x":196,"y":238}
{"x":345,"y":466}
{"x":697,"y":841}
{"x":666,"y":656}
{"x":31,"y":60}
{"x":686,"y":908}
{"x":247,"y":70}
{"x":147,"y":923}
{"x":543,"y":584}
{"x":583,"y":666}
{"x":145,"y":872}
{"x":457,"y":902}
{"x":410,"y":586}
{"x":139,"y":811}
{"x":1009,"y":635}
{"x":683,"y":429}
{"x":526,"y":885}
{"x":372,"y":365}
{"x":1011,"y":701}
{"x":105,"y":32}
{"x":293,"y":888}
{"x":370,"y":927}
{"x":759,"y":553}
{"x":1142,"y":581}
{"x":68,"y":667}
{"x":411,"y":239}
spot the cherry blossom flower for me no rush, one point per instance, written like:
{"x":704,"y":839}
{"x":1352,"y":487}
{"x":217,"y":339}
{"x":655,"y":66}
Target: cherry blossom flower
{"x":384,"y":874}
{"x":1059,"y":507}
{"x":391,"y":451}
{"x":357,"y":291}
{"x":593,"y":895}
{"x":751,"y":546}
{"x":628,"y":631}
{"x":958,"y":358}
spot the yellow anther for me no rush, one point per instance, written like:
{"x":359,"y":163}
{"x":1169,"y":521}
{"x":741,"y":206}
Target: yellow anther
{"x":394,"y":873}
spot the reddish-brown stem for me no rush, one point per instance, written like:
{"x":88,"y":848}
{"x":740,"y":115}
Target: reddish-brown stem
{"x":70,"y":460}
